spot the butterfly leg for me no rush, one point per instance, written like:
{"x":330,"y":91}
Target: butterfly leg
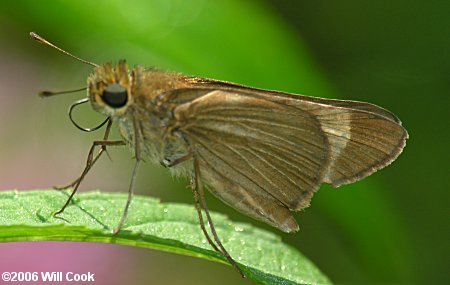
{"x":167,"y":162}
{"x":80,"y":177}
{"x":137,"y":153}
{"x":199,"y":189}
{"x":130,"y":196}
{"x":200,"y":216}
{"x":89,"y":163}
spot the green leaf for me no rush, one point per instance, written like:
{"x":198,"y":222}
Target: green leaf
{"x":27,"y":216}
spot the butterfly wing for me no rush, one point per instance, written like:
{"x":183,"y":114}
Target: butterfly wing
{"x":265,"y":153}
{"x":258,"y":156}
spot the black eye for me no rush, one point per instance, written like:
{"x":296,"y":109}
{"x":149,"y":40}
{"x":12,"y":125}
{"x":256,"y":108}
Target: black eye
{"x":115,"y":95}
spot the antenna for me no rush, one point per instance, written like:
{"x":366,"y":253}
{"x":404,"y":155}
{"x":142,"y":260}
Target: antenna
{"x":41,"y":40}
{"x":52,"y":93}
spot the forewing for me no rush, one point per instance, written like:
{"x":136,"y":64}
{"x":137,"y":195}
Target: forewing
{"x":212,"y":84}
{"x":258,"y":155}
{"x":362,"y":137}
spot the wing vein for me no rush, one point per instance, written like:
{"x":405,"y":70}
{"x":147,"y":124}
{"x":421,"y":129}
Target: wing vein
{"x":236,"y":169}
{"x":239,"y":120}
{"x":257,"y":170}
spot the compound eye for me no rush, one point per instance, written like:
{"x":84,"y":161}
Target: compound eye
{"x":115,"y":95}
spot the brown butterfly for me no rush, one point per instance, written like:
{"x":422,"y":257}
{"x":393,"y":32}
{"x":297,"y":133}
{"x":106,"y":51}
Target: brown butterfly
{"x":262,"y":152}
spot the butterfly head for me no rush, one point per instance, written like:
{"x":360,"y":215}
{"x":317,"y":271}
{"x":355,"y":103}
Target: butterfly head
{"x":109,"y":88}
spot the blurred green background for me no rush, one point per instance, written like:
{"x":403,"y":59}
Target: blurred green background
{"x":391,"y":228}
